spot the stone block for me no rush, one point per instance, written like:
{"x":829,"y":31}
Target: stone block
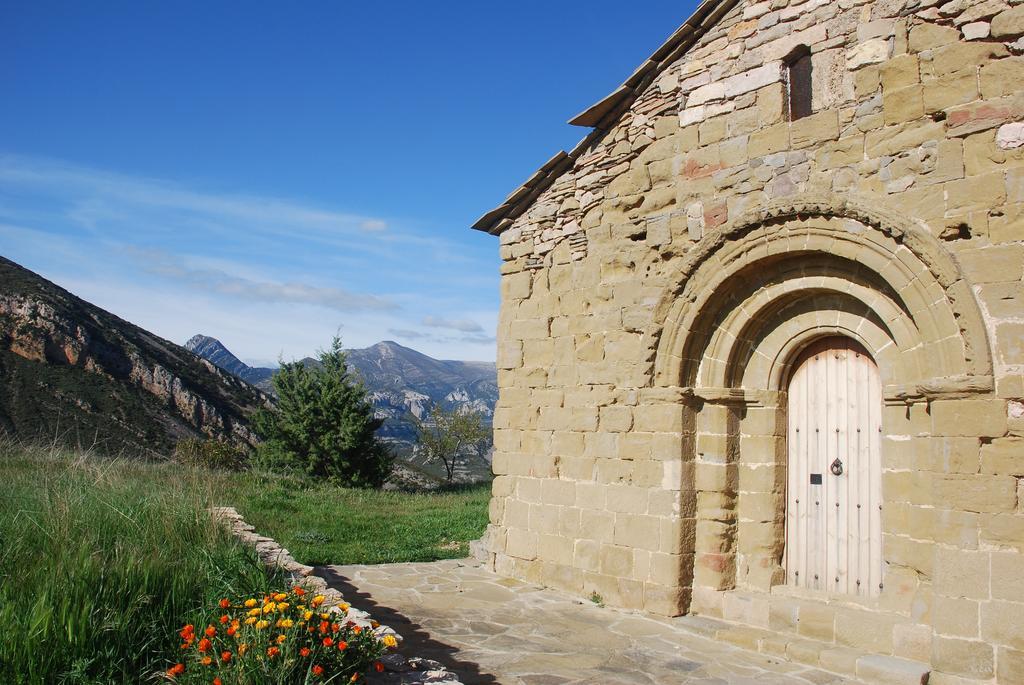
{"x":961,"y":573}
{"x":928,"y":36}
{"x":1010,"y":665}
{"x":1001,"y":623}
{"x":871,"y":51}
{"x":521,"y":543}
{"x":983,"y":115}
{"x":943,"y":93}
{"x":1004,"y":456}
{"x":1004,"y":529}
{"x":976,"y":493}
{"x":1001,"y":77}
{"x":1008,"y":24}
{"x":866,"y":630}
{"x":902,"y":104}
{"x":814,"y":129}
{"x":912,"y":641}
{"x":615,"y":561}
{"x":1008,"y":576}
{"x":817,"y":621}
{"x":957,"y":617}
{"x":887,"y":670}
{"x":900,"y":72}
{"x":982,"y":418}
{"x":969,"y":658}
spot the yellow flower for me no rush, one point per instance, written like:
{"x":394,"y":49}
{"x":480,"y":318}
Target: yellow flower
{"x":318,"y":600}
{"x":282,"y":606}
{"x":281,"y":638}
{"x":267,"y":608}
{"x":249,"y":621}
{"x":280,"y":597}
{"x":243,"y":648}
{"x":325,"y":616}
{"x":250,"y":603}
{"x":308,"y":615}
{"x":344,"y":606}
{"x":260,"y":625}
{"x":390,"y":641}
{"x":286,"y":623}
{"x":254,"y":612}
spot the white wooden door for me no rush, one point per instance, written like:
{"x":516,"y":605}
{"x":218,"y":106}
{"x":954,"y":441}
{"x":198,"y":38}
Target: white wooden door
{"x":833,"y":517}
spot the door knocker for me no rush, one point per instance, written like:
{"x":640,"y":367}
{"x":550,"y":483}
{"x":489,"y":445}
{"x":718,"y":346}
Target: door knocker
{"x":837,"y":467}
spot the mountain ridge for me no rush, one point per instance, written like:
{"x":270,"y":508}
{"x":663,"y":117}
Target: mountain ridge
{"x":401,"y":382}
{"x":71,"y":371}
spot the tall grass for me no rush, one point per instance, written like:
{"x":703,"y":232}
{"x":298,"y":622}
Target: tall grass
{"x":102,"y":561}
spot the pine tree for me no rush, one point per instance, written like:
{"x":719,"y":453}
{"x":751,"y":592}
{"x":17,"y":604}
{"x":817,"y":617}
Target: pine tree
{"x":323,"y":423}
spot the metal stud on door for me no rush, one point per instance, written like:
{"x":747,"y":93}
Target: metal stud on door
{"x":833,"y":517}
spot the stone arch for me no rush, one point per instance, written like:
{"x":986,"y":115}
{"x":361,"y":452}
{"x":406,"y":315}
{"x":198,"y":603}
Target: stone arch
{"x":743,"y":304}
{"x":843,"y":247}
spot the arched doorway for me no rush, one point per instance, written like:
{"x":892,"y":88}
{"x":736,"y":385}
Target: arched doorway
{"x":834,"y":489}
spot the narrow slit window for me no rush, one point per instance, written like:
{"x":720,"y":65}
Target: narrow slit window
{"x":798,"y":68}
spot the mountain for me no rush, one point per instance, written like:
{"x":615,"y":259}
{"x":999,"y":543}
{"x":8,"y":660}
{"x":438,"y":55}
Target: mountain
{"x":75,"y":373}
{"x":212,"y":350}
{"x":400,"y":381}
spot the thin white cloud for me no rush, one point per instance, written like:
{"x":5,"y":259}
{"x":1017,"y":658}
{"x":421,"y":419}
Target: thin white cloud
{"x":463,"y":325}
{"x":110,"y":195}
{"x":219,"y":281}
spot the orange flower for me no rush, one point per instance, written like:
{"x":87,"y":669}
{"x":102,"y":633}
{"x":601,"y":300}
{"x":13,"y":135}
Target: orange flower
{"x":225,"y":618}
{"x":273,"y":651}
{"x":210,"y":631}
{"x":206,"y":661}
{"x":298,"y":591}
{"x":328,"y":642}
{"x":378,"y":666}
{"x":281,"y":638}
{"x":354,"y":678}
{"x":232,"y":630}
{"x":225,"y":656}
{"x":304,"y":651}
{"x":318,"y":669}
{"x":188,"y":630}
{"x":218,"y":681}
{"x":175,"y":670}
{"x":356,"y":629}
{"x":335,"y":627}
{"x":204,"y":645}
{"x":324,"y":625}
{"x":224,"y":603}
{"x":243,"y":648}
{"x":342,"y":645}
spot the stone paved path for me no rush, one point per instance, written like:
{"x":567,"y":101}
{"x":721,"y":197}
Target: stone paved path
{"x":490,"y":629}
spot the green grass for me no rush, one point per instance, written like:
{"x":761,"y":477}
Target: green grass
{"x":331,"y":525}
{"x":101,"y":562}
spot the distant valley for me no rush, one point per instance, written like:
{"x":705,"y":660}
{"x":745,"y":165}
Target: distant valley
{"x":401,"y":382}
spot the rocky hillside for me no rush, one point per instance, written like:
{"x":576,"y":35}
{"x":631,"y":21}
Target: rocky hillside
{"x":76,"y":373}
{"x":400,"y":380}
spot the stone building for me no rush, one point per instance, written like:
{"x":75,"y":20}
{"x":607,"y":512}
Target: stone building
{"x":762,"y":339}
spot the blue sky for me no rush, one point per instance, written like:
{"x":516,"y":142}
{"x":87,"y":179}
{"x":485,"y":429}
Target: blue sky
{"x":269,"y":173}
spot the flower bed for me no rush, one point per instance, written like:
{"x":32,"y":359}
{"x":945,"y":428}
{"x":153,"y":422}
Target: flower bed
{"x":285,"y":637}
{"x":326,"y":640}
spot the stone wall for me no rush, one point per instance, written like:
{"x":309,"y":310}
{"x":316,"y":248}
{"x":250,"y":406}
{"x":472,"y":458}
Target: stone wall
{"x":654,"y":293}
